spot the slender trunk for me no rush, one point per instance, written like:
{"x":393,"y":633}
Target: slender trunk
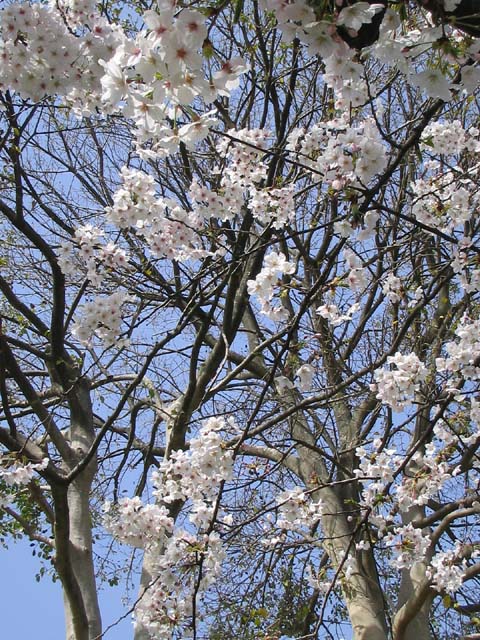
{"x":414,"y":601}
{"x":362,"y":592}
{"x":80,"y":568}
{"x":76,"y":620}
{"x":81,"y":558}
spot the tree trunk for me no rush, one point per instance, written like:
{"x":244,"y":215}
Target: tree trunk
{"x":414,"y":602}
{"x":362,"y":592}
{"x":78,"y":525}
{"x":81,"y":558}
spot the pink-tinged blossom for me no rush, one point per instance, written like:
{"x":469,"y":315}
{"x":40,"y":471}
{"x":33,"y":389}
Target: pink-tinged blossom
{"x":21,"y":474}
{"x":393,"y":288}
{"x":433,"y":82}
{"x":463,"y":353}
{"x":150,"y":76}
{"x":357,"y":276}
{"x":278,"y":263}
{"x":354,"y":16}
{"x":267,"y":280}
{"x":138,"y":524}
{"x":409,"y":544}
{"x":228,"y":77}
{"x":446,"y":570}
{"x":444,"y":137}
{"x":197,"y":130}
{"x":42,"y":55}
{"x":144,"y":112}
{"x":114,"y":82}
{"x":298,"y":11}
{"x":91,"y":258}
{"x":345,"y":155}
{"x":396,"y":387}
{"x":334,"y":316}
{"x":320,"y":37}
{"x":192,"y":25}
{"x":194,"y":475}
{"x":431,"y":475}
{"x":470,"y":78}
{"x":159,"y":23}
{"x":103,"y":318}
{"x":375,"y":470}
{"x":297,"y":511}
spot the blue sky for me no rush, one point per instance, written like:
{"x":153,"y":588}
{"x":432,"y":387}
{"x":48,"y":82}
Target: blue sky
{"x":32,"y":609}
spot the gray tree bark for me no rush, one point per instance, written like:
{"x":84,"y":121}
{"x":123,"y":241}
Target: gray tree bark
{"x":73,"y":530}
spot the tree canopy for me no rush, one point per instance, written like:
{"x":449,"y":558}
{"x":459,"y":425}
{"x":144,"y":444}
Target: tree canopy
{"x":239,"y":303}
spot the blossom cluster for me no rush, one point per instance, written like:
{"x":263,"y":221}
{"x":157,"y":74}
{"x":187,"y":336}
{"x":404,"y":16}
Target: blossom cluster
{"x":21,"y":474}
{"x":462,"y":354}
{"x":393,"y":288}
{"x":334,"y":316}
{"x":167,"y":603}
{"x":68,"y":49}
{"x":173,"y":232}
{"x":154,"y":76}
{"x":297,"y":511}
{"x":444,"y":571}
{"x":376,"y":469}
{"x":397,"y":386}
{"x":243,"y":151}
{"x":342,"y":72}
{"x":193,"y":477}
{"x":398,"y":48}
{"x":343,"y":154}
{"x":442,"y":202}
{"x":295,"y":514}
{"x":432,"y":472}
{"x":244,"y":148}
{"x":138,"y":524}
{"x":44,"y":53}
{"x":196,"y":474}
{"x":263,"y":287}
{"x":449,"y":138}
{"x":94,"y":257}
{"x":409,"y":544}
{"x":169,"y":230}
{"x":357,"y":276}
{"x":102,"y":317}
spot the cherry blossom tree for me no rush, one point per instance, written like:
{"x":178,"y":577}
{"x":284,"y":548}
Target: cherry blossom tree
{"x":240,"y":339}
